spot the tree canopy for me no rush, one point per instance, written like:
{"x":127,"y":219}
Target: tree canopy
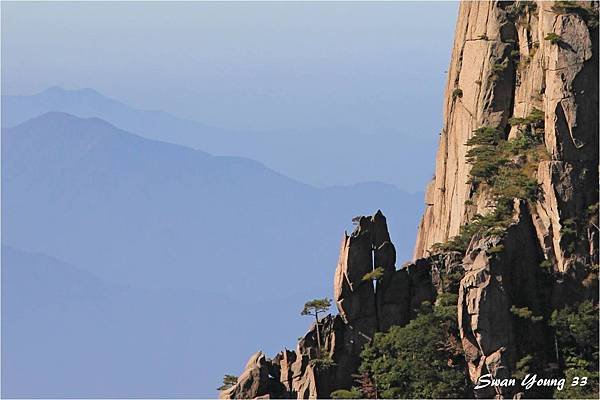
{"x":316,"y":306}
{"x":420,"y":360}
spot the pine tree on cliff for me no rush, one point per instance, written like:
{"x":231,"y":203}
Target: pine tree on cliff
{"x":315,"y":307}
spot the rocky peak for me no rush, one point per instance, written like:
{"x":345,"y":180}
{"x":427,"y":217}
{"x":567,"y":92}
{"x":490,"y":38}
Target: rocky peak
{"x":365,"y":307}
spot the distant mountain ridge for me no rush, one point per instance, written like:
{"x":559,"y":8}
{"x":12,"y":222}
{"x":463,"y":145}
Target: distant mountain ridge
{"x":119,"y":341}
{"x":165,"y":218}
{"x":303,"y":156}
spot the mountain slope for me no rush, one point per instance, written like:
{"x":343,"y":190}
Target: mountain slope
{"x":119,"y":196}
{"x":111,"y":340}
{"x":297,"y":154}
{"x":160,"y":217}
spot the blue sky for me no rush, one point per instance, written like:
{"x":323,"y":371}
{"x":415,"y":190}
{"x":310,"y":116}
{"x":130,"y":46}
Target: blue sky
{"x":376,"y":70}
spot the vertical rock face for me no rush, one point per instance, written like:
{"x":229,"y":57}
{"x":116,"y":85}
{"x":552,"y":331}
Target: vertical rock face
{"x":503,"y":67}
{"x":501,"y":272}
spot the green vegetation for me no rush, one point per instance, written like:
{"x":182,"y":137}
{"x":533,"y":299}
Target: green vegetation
{"x":553,"y":38}
{"x":498,"y":68}
{"x":374,"y":275}
{"x":568,"y":231}
{"x":420,"y":360}
{"x":576,"y":332}
{"x":322,"y":363}
{"x":565,"y":6}
{"x":521,"y":8}
{"x":546,"y":264}
{"x":523,"y":367}
{"x":365,"y":389}
{"x":525,"y":313}
{"x":228,"y":381}
{"x":495,"y":249}
{"x":507,"y":169}
{"x":568,"y":227}
{"x":494,"y":222}
{"x":457,"y":93}
{"x":592,"y":215}
{"x":314,"y":308}
{"x":353,"y":393}
{"x":535,"y":118}
{"x":587,"y":389}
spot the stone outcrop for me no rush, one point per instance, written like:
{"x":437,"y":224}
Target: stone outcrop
{"x":500,"y":272}
{"x":365,"y":307}
{"x":256,"y":381}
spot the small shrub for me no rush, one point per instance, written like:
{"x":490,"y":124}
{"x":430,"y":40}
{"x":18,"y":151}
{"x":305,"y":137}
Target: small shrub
{"x":553,"y":38}
{"x":520,"y":8}
{"x":523,"y":367}
{"x":353,"y":393}
{"x":228,"y":381}
{"x":535,"y":119}
{"x":525,"y":313}
{"x":322,"y":363}
{"x":535,"y":116}
{"x":495,"y":249}
{"x":374,"y":275}
{"x":592,"y":215}
{"x":498,"y":67}
{"x":568,"y":227}
{"x":546,"y":264}
{"x":457,"y":93}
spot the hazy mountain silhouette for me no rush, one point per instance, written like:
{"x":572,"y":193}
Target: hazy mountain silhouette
{"x":158,"y":216}
{"x":109,"y":340}
{"x":89,"y":103}
{"x":302,"y":155}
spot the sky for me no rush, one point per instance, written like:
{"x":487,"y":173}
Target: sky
{"x":371,"y":69}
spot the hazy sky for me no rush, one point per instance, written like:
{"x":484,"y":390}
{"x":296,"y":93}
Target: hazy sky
{"x":371,"y":68}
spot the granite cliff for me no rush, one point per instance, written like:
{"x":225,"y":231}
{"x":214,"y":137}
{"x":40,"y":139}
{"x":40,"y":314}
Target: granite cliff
{"x":510,"y":224}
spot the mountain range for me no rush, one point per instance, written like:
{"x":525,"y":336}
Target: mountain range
{"x":331,"y":158}
{"x":158,"y":236}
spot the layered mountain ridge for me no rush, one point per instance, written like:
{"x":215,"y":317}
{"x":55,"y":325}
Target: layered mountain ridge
{"x":512,"y":209}
{"x":162,"y":219}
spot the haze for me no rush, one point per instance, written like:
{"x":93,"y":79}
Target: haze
{"x":332,"y":75}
